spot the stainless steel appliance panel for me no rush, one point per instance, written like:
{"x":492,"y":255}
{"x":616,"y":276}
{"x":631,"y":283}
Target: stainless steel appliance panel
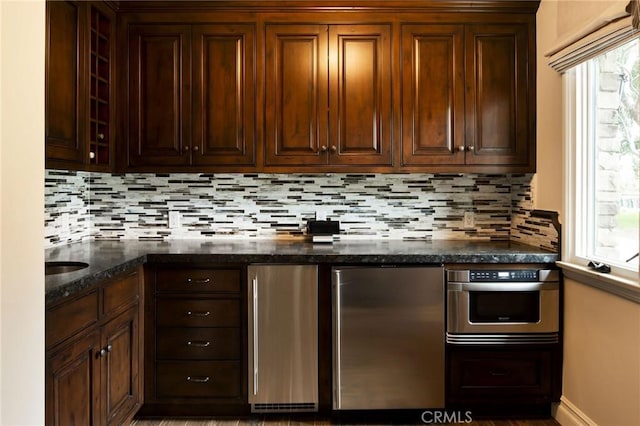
{"x":283,"y":337}
{"x":512,"y":305}
{"x":388,"y":337}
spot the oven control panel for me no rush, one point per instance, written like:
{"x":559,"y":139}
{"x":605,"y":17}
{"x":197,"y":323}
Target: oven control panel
{"x":493,"y":275}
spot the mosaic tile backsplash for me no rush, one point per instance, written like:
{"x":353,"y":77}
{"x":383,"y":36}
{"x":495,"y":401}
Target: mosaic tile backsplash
{"x":81,"y":205}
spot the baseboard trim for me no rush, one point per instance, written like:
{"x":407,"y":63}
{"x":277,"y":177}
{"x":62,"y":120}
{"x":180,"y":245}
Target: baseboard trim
{"x":567,"y":414}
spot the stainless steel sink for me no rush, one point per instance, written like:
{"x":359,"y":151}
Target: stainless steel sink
{"x":51,"y":268}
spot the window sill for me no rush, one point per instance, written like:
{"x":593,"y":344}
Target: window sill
{"x":622,"y":287}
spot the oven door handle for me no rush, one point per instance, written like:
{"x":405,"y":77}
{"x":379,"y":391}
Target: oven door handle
{"x":496,"y":286}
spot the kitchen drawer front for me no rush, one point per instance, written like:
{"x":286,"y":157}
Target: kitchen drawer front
{"x":509,"y":374}
{"x":198,"y":312}
{"x":198,"y":343}
{"x":68,"y":318}
{"x":120,"y":293}
{"x":198,"y":379}
{"x":198,"y":280}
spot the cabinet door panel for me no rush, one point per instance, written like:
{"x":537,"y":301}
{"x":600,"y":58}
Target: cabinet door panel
{"x":159,"y":95}
{"x":296,"y":94}
{"x":120,"y":337}
{"x":224,"y":95}
{"x":73,"y":384}
{"x":498,"y":98}
{"x":360,"y":94}
{"x":432,"y":94}
{"x":64,"y":83}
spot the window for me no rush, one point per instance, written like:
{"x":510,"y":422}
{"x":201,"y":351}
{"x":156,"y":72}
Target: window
{"x":603,"y":120}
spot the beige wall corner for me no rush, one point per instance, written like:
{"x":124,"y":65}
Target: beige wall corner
{"x":601,"y":374}
{"x":548,"y":190}
{"x":22,"y":41}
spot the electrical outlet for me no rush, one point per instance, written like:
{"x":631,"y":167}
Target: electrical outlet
{"x":174,"y":219}
{"x":469,"y":220}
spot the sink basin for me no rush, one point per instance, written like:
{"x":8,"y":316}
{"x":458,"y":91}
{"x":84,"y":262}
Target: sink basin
{"x":51,"y":268}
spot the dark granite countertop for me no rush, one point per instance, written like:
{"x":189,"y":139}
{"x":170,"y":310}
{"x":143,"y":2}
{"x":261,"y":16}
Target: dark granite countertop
{"x":109,"y":258}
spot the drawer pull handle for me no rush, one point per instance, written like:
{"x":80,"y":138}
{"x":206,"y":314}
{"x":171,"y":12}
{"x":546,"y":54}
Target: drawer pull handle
{"x":199,"y":343}
{"x":198,"y":313}
{"x":499,"y":373}
{"x":202,"y":281}
{"x":198,"y":379}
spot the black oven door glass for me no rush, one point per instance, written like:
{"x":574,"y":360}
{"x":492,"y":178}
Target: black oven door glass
{"x":504,"y":306}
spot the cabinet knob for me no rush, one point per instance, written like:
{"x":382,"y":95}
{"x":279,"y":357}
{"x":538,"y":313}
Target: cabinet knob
{"x":333,"y":148}
{"x":323,"y":148}
{"x":102,"y":353}
{"x":461,"y":148}
{"x":100,"y":136}
{"x":92,"y":155}
{"x":186,"y":148}
{"x":109,"y":348}
{"x":196,"y":148}
{"x":470,"y":148}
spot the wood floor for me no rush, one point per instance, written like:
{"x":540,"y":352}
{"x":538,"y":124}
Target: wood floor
{"x":312,"y":422}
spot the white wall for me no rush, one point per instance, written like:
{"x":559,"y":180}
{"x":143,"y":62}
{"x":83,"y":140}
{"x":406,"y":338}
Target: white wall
{"x":601,"y":372}
{"x":22,"y":38}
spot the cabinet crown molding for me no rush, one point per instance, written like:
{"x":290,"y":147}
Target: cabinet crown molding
{"x":504,"y":6}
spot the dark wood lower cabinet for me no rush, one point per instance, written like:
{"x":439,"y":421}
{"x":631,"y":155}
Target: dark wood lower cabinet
{"x":498,"y":380}
{"x":93,"y":360}
{"x":121,"y":376}
{"x":73,"y":383}
{"x":195,"y":341}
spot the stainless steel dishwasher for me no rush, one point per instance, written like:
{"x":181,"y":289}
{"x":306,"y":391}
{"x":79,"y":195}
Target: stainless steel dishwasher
{"x":283,"y":338}
{"x":388,"y":337}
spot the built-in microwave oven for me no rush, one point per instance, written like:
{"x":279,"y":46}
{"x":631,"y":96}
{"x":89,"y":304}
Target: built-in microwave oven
{"x":501,"y":306}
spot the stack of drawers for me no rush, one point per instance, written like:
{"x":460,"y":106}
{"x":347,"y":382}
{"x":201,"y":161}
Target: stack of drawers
{"x":198,"y":330}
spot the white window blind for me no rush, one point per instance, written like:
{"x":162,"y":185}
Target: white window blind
{"x":612,"y":27}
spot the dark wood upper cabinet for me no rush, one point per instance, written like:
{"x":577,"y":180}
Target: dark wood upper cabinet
{"x":360,"y":95}
{"x":466,"y":97}
{"x":224,"y":95}
{"x":498,"y":97}
{"x":328,"y":95}
{"x":159,"y":95}
{"x":297,"y":98}
{"x":290,"y":86}
{"x":432,"y":95}
{"x":64,"y":82}
{"x":79,"y":85}
{"x":181,"y":116}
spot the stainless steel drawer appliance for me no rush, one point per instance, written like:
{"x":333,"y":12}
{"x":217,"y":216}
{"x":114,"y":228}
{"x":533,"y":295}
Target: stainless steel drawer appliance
{"x":388,"y":337}
{"x":283,"y":338}
{"x":502,"y":306}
